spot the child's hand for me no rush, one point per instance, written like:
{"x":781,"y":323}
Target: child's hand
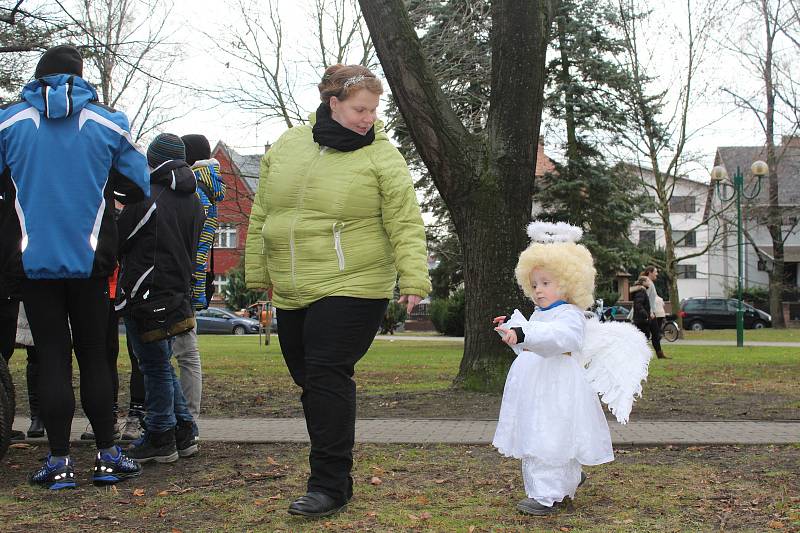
{"x":509,"y":336}
{"x":499,"y":319}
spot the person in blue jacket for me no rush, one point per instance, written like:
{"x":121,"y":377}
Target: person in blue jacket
{"x":64,"y":159}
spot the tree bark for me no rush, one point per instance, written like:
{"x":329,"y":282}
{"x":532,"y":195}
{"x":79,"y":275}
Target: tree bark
{"x":486,"y":184}
{"x":774,"y":213}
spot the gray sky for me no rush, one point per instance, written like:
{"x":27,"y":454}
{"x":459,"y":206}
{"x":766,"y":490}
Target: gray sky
{"x":714,"y":118}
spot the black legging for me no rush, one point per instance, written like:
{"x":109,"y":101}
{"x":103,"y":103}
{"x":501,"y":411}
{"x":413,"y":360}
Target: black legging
{"x":52,"y":307}
{"x":112,"y":350}
{"x":321,"y":345}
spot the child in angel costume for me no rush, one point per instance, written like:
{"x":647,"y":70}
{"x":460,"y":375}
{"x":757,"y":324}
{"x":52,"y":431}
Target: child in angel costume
{"x":551,"y":417}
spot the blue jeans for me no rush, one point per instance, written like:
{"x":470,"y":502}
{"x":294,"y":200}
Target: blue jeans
{"x":164,"y":399}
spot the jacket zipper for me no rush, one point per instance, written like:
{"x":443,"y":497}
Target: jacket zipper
{"x":337,"y":243}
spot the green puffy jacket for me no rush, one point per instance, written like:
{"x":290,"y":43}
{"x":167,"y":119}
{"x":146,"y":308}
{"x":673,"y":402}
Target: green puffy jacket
{"x":328,"y":223}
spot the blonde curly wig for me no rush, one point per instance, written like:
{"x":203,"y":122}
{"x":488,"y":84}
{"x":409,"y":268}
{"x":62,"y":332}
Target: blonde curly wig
{"x":571,"y":264}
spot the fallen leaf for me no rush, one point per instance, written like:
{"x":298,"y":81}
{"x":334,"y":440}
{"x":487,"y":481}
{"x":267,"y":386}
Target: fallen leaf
{"x":271,"y":461}
{"x":472,"y":529}
{"x":163,"y":512}
{"x":21,"y":446}
{"x":372,"y":514}
{"x":439,"y":481}
{"x":276,"y":497}
{"x":375,"y":480}
{"x":774,"y":524}
{"x":425,"y":515}
{"x":564,"y":528}
{"x":260,"y":502}
{"x":138,"y":492}
{"x":163,"y":493}
{"x":423,"y":500}
{"x":413,"y":517}
{"x":176,"y":530}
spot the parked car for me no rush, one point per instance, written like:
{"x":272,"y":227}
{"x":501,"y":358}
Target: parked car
{"x":618,"y":313}
{"x":214,"y":320}
{"x":720,"y":313}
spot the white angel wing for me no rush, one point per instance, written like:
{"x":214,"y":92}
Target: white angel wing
{"x":616,"y":358}
{"x":517,"y":320}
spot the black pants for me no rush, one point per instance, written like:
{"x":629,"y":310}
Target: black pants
{"x":321,"y":345}
{"x":53,"y":307}
{"x":136,"y":383}
{"x":8,"y":327}
{"x":655,"y":334}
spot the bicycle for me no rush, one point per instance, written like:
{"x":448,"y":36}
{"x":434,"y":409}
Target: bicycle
{"x":669,"y":329}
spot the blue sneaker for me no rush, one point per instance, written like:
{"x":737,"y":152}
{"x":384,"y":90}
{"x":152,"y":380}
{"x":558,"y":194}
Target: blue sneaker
{"x":55,"y":475}
{"x":110,"y":469}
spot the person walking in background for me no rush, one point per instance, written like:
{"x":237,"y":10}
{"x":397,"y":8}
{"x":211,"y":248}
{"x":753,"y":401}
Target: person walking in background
{"x":63,"y":160}
{"x":335,"y":220}
{"x":641,"y":305}
{"x":651,"y":273}
{"x":153,"y":294}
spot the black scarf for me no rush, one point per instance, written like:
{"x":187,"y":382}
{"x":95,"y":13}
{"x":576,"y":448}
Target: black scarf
{"x":328,"y":132}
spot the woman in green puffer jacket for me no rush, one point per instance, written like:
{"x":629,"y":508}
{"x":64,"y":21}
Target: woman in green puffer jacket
{"x":334,"y":227}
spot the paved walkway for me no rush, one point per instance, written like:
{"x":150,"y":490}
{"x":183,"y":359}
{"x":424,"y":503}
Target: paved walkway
{"x":441,"y":338}
{"x":254,"y":430}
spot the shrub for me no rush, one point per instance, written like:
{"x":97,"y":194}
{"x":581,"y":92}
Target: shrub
{"x":395,"y":314}
{"x":447,"y":314}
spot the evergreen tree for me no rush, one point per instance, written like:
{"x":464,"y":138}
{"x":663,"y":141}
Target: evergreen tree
{"x":584,"y":82}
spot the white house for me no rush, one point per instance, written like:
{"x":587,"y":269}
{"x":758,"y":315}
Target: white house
{"x":723,"y":256}
{"x":688,"y":211}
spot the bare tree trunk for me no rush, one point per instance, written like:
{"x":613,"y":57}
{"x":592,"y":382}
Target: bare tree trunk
{"x":487,"y":186}
{"x":774,"y":214}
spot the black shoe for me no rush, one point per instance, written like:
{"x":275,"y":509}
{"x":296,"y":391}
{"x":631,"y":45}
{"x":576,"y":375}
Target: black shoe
{"x":158,"y":447}
{"x":36,"y":429}
{"x":315,"y":504}
{"x":185,"y":439}
{"x":17,"y":435}
{"x":583,"y":479}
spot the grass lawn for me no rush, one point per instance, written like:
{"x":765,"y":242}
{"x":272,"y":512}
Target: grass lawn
{"x":766,"y":334}
{"x":413,"y":379}
{"x":417,"y":488}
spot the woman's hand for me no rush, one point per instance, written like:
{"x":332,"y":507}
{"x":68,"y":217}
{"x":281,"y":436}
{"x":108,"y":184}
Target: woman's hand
{"x":509,"y":336}
{"x":499,"y":319}
{"x":410,"y":300}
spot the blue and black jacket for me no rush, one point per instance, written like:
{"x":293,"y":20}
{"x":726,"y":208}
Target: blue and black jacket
{"x":64,"y":158}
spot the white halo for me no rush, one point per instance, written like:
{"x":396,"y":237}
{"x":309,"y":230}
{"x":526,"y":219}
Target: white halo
{"x":547,"y":232}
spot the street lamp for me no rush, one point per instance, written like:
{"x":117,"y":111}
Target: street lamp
{"x":736,"y":190}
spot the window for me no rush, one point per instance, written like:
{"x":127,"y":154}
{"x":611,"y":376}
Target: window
{"x":684,"y":239}
{"x":226,"y":236}
{"x":687,"y":272}
{"x":647,"y":238}
{"x":681,"y":204}
{"x":220,"y":282}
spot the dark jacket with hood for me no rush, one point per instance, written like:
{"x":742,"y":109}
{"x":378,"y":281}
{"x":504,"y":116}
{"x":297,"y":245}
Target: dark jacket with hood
{"x":63,"y":156}
{"x":158,"y":240}
{"x":641,"y":303}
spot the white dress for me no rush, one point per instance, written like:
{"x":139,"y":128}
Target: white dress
{"x":550,"y":413}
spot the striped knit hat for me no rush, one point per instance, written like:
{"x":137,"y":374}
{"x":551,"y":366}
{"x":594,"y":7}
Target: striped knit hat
{"x":164,"y":148}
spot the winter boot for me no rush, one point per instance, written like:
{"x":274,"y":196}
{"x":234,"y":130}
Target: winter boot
{"x":155,"y":446}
